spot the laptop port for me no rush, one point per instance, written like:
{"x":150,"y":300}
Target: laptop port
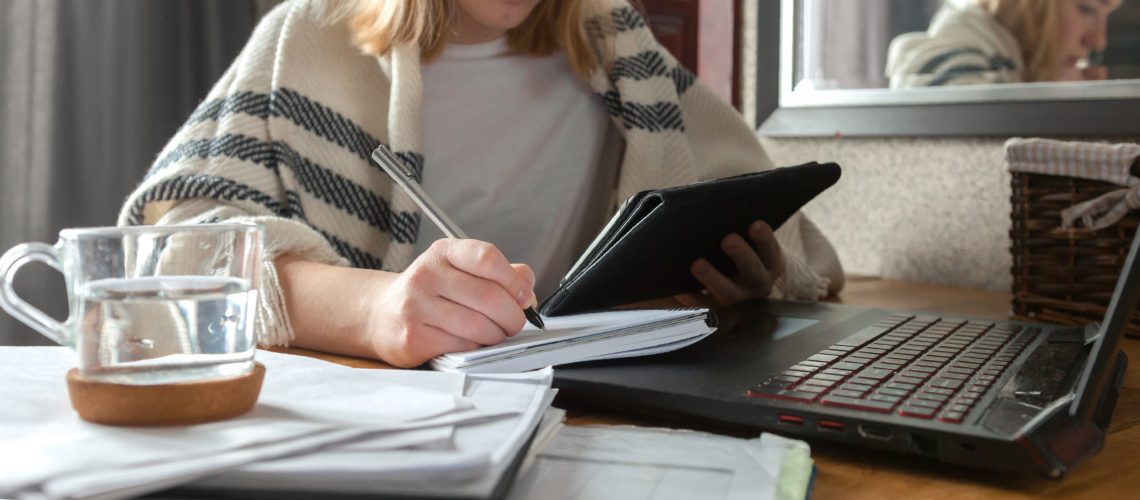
{"x":791,"y":420}
{"x":831,"y":426}
{"x":876,"y":433}
{"x":924,"y":445}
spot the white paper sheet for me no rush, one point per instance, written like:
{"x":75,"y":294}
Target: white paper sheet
{"x":304,"y":404}
{"x":584,"y":337}
{"x":620,"y":463}
{"x":479,"y":455}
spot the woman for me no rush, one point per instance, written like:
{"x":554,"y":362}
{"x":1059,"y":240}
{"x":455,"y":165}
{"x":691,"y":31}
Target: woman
{"x":529,"y":120}
{"x":1004,"y":41}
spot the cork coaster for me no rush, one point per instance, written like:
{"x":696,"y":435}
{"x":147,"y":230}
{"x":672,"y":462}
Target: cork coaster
{"x":183,"y":403}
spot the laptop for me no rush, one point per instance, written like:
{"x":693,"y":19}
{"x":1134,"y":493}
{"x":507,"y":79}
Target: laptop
{"x":999,"y":395}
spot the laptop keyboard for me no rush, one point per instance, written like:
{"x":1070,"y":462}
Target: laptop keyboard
{"x":921,"y":367}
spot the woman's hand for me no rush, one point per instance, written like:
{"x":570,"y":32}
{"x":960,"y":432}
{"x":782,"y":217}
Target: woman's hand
{"x":457,"y":296}
{"x":758,"y":263}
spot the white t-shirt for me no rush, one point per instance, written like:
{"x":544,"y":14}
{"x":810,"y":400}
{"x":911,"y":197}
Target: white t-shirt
{"x":511,"y":147}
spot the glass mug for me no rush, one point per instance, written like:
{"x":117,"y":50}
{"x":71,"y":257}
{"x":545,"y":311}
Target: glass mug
{"x":150,"y":304}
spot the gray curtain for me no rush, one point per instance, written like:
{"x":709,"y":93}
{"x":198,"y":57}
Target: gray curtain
{"x":90,"y":91}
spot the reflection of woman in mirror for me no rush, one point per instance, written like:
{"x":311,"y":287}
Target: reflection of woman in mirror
{"x":1004,"y":41}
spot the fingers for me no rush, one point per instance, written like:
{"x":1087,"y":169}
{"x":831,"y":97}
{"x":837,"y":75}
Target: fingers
{"x":767,"y":247}
{"x":750,"y":270}
{"x":481,"y":298}
{"x":528,"y":275}
{"x":719,"y":286}
{"x":485,"y":294}
{"x":484,"y":260}
{"x":758,"y":265}
{"x":469,"y":323}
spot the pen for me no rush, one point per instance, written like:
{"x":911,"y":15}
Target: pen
{"x":407,"y":180}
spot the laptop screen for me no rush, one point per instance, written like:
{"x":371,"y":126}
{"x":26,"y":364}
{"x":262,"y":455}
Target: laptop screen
{"x":1095,"y":376}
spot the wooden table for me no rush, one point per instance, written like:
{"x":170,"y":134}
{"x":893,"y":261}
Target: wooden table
{"x":849,"y":472}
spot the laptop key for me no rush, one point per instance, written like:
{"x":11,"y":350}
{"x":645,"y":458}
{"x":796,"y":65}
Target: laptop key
{"x":916,"y":411}
{"x":812,"y":388}
{"x":940,"y":398}
{"x":827,"y":376}
{"x":863,"y":336}
{"x":795,"y":373}
{"x":892,"y":392}
{"x":900,"y":385}
{"x":774,"y":384}
{"x":823,"y":358}
{"x":948,"y":383}
{"x":862,"y":390}
{"x":924,"y":403}
{"x":874,"y":374}
{"x":846,"y":393}
{"x":791,"y":395}
{"x":952,"y":417}
{"x":857,"y":404}
{"x":819,"y":382}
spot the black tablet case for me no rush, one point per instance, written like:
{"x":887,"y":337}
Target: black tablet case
{"x":646,"y":249}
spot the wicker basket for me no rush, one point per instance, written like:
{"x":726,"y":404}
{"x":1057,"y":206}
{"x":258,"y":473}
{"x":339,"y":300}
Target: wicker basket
{"x":1064,"y":276}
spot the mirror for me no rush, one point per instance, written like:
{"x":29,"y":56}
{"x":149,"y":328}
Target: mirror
{"x":939,"y":51}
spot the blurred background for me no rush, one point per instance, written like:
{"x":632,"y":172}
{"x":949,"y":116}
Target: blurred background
{"x":91,"y":90}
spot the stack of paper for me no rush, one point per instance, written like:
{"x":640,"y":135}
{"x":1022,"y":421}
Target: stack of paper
{"x":624,"y":462}
{"x":586,"y":337}
{"x":469,"y":461}
{"x":326,"y":419}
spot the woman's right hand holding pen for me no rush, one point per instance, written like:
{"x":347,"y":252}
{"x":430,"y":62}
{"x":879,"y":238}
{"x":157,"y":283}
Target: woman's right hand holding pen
{"x":458,"y":295}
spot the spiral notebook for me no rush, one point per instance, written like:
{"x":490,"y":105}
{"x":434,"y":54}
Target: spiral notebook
{"x":586,"y":337}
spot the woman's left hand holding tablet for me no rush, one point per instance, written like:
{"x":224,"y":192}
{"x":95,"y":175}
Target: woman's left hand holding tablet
{"x":758,"y":260}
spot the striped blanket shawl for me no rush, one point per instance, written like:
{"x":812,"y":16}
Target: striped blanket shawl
{"x":283,"y":139}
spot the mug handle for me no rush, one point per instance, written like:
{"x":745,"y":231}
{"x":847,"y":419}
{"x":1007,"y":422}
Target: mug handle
{"x":12,"y":260}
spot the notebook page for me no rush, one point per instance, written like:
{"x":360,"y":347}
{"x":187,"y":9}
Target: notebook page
{"x":564,"y":328}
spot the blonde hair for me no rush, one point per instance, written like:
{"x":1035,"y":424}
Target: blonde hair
{"x":1034,"y":24}
{"x":379,"y":25}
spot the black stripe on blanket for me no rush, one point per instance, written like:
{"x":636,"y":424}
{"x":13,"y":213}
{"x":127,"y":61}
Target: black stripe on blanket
{"x":650,"y":64}
{"x":348,"y":196}
{"x":250,"y":103}
{"x":322,"y":121}
{"x":314,"y":179}
{"x":654,"y":117}
{"x":232,"y":145}
{"x":310,"y":115}
{"x":202,"y":186}
{"x":622,"y":19}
